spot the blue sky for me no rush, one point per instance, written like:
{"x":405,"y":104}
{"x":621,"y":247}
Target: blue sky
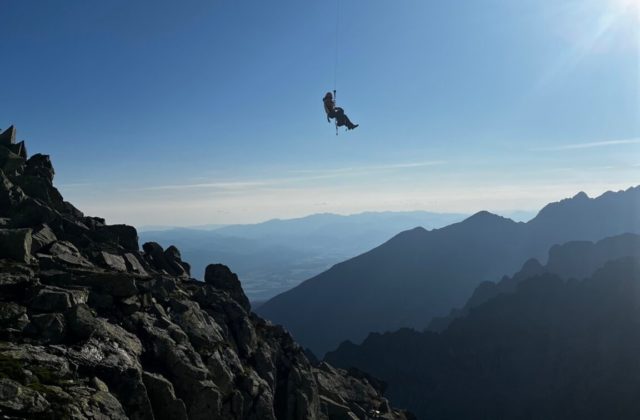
{"x":196,"y":112}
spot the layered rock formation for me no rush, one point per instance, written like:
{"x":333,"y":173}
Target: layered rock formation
{"x":92,"y":327}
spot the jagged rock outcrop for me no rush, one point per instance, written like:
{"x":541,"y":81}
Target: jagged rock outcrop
{"x":93,"y":328}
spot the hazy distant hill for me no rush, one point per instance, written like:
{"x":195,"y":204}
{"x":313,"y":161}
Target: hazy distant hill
{"x":578,"y":259}
{"x":549,"y":347}
{"x":274,"y":256}
{"x":420,"y":274}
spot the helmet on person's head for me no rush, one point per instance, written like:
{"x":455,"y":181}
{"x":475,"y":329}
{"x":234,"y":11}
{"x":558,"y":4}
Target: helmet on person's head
{"x":328,"y":95}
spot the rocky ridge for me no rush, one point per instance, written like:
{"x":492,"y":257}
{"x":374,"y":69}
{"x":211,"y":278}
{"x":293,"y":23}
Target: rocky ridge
{"x":92,"y":327}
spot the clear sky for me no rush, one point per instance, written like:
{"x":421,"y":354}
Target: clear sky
{"x":197,"y":112}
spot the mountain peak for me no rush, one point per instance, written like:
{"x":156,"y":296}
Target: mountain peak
{"x":485,"y":217}
{"x":569,"y":208}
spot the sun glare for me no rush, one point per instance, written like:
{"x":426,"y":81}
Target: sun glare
{"x":627,"y":6}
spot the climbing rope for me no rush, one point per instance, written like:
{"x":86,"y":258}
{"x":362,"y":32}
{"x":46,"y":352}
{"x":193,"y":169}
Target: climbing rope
{"x":337,"y":47}
{"x":335,"y":61}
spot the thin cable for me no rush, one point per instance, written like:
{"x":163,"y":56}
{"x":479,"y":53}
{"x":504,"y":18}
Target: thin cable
{"x":335,"y":62}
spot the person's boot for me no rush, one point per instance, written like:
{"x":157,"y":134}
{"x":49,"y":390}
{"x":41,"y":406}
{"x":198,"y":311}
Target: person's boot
{"x":352,"y":126}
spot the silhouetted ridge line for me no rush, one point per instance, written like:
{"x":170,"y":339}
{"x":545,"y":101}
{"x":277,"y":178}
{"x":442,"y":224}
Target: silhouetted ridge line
{"x":553,"y":341}
{"x":419,"y":275}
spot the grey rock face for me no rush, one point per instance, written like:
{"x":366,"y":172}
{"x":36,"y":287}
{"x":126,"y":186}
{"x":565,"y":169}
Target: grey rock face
{"x":40,"y":167}
{"x":16,"y":244}
{"x":10,"y":195}
{"x":169,"y":261}
{"x":8,"y":137}
{"x":114,"y":262}
{"x":19,"y":149}
{"x":52,"y":299}
{"x":163,"y":398}
{"x":67,"y":254}
{"x":42,"y":237}
{"x":220,"y":277}
{"x":50,"y":328}
{"x":133,"y":264}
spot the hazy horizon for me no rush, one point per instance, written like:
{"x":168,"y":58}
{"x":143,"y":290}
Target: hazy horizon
{"x":516,"y":215}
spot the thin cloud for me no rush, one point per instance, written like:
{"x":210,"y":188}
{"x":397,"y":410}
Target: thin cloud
{"x":578,"y":146}
{"x":206,"y":185}
{"x":312,"y":175}
{"x":76,"y":185}
{"x":371,"y":168}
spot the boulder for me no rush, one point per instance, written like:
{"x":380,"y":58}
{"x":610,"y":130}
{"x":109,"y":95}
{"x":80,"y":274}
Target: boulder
{"x":16,"y":281}
{"x":71,"y":210}
{"x":111,"y":261}
{"x":220,"y":277}
{"x":10,"y":163}
{"x":174,"y":260}
{"x":32,"y":212}
{"x":16,"y":244}
{"x":155,"y":256}
{"x":19,"y":149}
{"x":168,"y":261}
{"x":336,"y":411}
{"x":134,"y":265}
{"x":130,"y":305}
{"x":202,"y":329}
{"x":109,"y":338}
{"x":82,"y":322}
{"x":122,"y":235}
{"x":49,"y":327}
{"x":40,"y":188}
{"x":52,"y":299}
{"x":113,"y":285}
{"x":166,"y":406}
{"x":8,"y":137}
{"x":221,"y":371}
{"x":13,"y":316}
{"x":42,"y":236}
{"x":66,"y":253}
{"x":28,"y":369}
{"x":14,"y":397}
{"x":10,"y":195}
{"x":40,"y":166}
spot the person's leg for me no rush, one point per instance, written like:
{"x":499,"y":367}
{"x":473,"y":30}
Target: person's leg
{"x":341,"y":119}
{"x":348,"y":123}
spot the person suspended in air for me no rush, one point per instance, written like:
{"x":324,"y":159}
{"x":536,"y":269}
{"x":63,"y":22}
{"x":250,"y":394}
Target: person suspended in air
{"x":336,"y":112}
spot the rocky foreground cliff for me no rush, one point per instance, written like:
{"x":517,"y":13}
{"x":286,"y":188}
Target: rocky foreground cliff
{"x":91,"y":327}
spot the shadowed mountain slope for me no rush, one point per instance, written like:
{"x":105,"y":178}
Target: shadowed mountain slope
{"x":420,"y":274}
{"x":553,"y":347}
{"x":578,"y":259}
{"x":277,"y":255}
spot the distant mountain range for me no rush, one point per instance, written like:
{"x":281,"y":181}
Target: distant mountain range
{"x":578,"y":259}
{"x":276,"y":255}
{"x":556,"y":342}
{"x":420,"y":274}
